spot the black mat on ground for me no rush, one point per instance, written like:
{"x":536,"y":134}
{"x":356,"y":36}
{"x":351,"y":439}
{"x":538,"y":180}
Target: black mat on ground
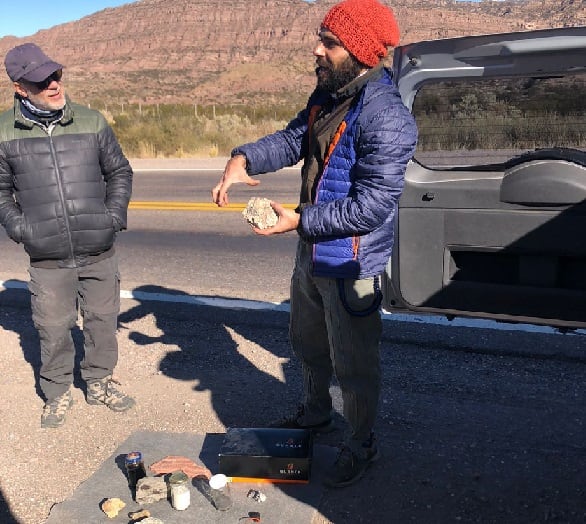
{"x":285,"y":503}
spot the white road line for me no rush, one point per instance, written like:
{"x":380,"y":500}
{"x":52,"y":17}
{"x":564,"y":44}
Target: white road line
{"x":258,"y":305}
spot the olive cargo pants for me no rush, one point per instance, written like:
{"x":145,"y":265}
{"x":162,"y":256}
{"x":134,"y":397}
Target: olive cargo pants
{"x":55,"y":296}
{"x":328,"y":339}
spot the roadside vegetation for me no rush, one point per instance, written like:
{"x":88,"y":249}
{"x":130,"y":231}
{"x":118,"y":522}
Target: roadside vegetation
{"x":180,"y":130}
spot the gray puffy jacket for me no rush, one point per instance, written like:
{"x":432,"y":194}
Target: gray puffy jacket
{"x":64,"y":191}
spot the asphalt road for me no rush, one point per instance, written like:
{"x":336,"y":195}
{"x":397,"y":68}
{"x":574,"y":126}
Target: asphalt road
{"x":207,"y":252}
{"x":476,"y":424}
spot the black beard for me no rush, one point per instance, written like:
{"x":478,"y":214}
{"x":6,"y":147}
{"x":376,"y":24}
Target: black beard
{"x":334,"y":78}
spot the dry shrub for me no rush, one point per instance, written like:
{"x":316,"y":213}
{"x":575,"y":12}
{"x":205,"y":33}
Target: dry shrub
{"x":179,"y":131}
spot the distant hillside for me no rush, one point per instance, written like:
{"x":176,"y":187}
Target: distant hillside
{"x":247,"y":51}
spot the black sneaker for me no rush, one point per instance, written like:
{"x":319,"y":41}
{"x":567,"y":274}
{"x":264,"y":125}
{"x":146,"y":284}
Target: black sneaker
{"x":295,"y":422}
{"x":349,"y":467}
{"x":54,"y":410}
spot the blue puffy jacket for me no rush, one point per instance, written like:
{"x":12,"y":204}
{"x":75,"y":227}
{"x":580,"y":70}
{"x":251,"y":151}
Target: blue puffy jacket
{"x":351,"y":221}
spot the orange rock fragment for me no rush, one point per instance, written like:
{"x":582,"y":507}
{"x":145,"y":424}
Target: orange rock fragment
{"x":178,"y":463}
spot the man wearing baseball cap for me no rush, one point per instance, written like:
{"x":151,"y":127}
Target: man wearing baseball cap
{"x":28,"y":62}
{"x":355,"y":138}
{"x":64,"y":191}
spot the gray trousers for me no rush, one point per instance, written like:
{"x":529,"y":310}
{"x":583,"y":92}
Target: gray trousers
{"x":55,"y":297}
{"x":328,"y":339}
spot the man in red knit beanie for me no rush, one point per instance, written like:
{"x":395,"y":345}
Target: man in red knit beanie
{"x":355,"y":138}
{"x":365,"y":28}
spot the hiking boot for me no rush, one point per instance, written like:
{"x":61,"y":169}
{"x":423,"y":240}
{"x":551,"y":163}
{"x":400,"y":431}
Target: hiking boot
{"x":350,"y":466}
{"x":295,"y":421}
{"x":54,"y":410}
{"x":104,"y":391}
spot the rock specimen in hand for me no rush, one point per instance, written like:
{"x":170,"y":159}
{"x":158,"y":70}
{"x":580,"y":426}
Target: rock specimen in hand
{"x":259,"y":213}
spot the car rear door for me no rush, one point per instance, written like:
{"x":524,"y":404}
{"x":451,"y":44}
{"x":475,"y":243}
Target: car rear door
{"x":492,"y":220}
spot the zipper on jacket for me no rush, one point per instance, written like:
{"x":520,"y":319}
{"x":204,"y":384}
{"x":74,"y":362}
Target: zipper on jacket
{"x":355,"y":246}
{"x":335,"y":139}
{"x":49,"y":131}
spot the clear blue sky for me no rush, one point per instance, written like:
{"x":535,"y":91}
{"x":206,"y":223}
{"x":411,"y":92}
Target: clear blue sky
{"x":25,"y":18}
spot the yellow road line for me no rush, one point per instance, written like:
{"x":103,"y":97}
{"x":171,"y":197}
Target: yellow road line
{"x":192,"y":206}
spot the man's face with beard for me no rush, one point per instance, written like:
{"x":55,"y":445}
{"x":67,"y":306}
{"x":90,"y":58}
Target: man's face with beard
{"x":336,"y":67}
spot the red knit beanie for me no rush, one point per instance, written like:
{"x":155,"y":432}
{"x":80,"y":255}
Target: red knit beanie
{"x":365,"y":27}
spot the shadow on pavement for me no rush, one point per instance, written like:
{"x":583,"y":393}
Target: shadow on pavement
{"x":215,"y":351}
{"x":17,"y":295}
{"x":6,"y":516}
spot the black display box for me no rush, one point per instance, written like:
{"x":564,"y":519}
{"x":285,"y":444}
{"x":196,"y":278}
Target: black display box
{"x":266,"y":454}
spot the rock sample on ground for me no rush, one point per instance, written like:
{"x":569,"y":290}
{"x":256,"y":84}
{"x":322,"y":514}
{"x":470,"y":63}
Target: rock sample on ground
{"x":178,"y":463}
{"x":112,"y":507}
{"x":150,"y":489}
{"x":139,"y":515}
{"x":259,"y":213}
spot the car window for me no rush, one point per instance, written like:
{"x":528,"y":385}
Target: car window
{"x":477,"y":123}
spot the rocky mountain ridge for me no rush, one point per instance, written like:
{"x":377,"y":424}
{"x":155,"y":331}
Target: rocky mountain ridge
{"x":243,"y":51}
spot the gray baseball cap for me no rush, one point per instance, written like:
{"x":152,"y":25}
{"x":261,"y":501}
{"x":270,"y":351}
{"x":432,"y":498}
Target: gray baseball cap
{"x":28,"y":62}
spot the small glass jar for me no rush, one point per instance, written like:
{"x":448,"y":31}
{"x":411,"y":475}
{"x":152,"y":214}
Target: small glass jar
{"x":180,"y":494}
{"x":135,"y":469}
